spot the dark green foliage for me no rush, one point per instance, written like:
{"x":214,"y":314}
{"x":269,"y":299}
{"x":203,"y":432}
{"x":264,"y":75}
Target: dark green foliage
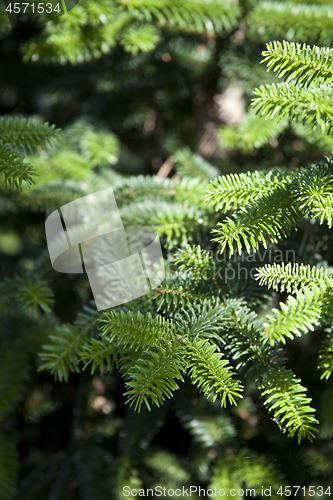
{"x":326,"y":356}
{"x":26,"y":135}
{"x":246,"y":470}
{"x":254,"y":131}
{"x":92,"y":30}
{"x":292,"y":21}
{"x":188,"y":164}
{"x":8,"y":467}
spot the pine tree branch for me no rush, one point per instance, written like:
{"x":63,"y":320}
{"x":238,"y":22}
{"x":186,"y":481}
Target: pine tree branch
{"x":304,"y":64}
{"x":286,"y":398}
{"x":28,"y":134}
{"x":306,"y":23}
{"x":253,"y":132}
{"x":14,"y":170}
{"x":190,"y":15}
{"x":61,"y":356}
{"x":325,"y":356}
{"x":293,"y":102}
{"x":291,"y":277}
{"x":235,"y":190}
{"x":191,"y":164}
{"x":247,"y":470}
{"x":273,"y":217}
{"x":211,"y":373}
{"x":298,"y":316}
{"x":155,"y":375}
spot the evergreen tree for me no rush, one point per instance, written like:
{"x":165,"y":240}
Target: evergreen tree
{"x":95,"y":401}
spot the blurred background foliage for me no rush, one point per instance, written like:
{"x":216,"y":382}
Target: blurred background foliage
{"x":152,"y":99}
